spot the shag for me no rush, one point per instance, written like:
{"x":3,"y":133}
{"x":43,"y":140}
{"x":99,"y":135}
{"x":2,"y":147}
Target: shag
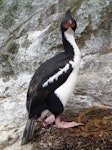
{"x":53,"y":83}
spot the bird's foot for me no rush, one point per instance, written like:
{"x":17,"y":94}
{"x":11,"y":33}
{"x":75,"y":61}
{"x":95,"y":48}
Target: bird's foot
{"x":59,"y":124}
{"x":62,"y":124}
{"x":49,"y":120}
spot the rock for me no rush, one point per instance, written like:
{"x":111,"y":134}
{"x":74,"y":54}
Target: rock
{"x":30,"y":35}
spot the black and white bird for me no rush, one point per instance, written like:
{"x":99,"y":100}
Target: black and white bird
{"x":53,"y":83}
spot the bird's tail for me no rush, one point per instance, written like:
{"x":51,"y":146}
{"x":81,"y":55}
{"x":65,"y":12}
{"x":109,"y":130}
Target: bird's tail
{"x":28,"y":131}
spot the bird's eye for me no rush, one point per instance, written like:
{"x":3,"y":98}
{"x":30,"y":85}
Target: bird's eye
{"x":66,"y":25}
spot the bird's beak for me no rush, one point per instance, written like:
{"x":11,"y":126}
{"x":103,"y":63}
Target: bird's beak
{"x":70,"y":22}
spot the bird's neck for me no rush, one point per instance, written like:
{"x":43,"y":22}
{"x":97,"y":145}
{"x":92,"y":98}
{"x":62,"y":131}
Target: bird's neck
{"x":69,"y":43}
{"x":67,"y":46}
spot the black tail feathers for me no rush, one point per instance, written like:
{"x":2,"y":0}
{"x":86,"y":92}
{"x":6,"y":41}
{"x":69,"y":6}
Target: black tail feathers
{"x":29,"y":130}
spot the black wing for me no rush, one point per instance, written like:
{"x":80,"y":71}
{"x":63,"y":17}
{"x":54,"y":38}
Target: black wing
{"x":36,"y":92}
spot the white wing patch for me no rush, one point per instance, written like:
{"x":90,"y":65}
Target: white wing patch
{"x":56,"y":75}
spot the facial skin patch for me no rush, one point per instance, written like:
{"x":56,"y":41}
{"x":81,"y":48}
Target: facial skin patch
{"x":56,"y":75}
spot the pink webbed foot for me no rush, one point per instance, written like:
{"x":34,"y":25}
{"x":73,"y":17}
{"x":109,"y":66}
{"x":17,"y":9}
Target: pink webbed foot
{"x":62,"y":124}
{"x":49,"y":120}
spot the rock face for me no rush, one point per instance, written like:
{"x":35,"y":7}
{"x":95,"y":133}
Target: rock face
{"x":30,"y":34}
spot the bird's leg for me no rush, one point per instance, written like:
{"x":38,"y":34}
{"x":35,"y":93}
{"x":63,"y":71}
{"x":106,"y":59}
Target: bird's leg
{"x":48,"y":120}
{"x":62,"y":124}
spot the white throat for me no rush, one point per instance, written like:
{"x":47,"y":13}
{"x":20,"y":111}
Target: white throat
{"x":69,"y":35}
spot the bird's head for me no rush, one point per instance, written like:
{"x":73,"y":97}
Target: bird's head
{"x":68,"y":22}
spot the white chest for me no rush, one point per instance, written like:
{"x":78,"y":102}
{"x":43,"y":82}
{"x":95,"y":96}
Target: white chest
{"x":66,"y":89}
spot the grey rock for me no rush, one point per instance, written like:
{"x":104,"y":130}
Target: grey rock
{"x":29,"y":35}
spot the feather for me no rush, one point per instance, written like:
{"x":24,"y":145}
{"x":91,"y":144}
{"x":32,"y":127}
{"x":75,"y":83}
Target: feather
{"x":29,"y":130}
